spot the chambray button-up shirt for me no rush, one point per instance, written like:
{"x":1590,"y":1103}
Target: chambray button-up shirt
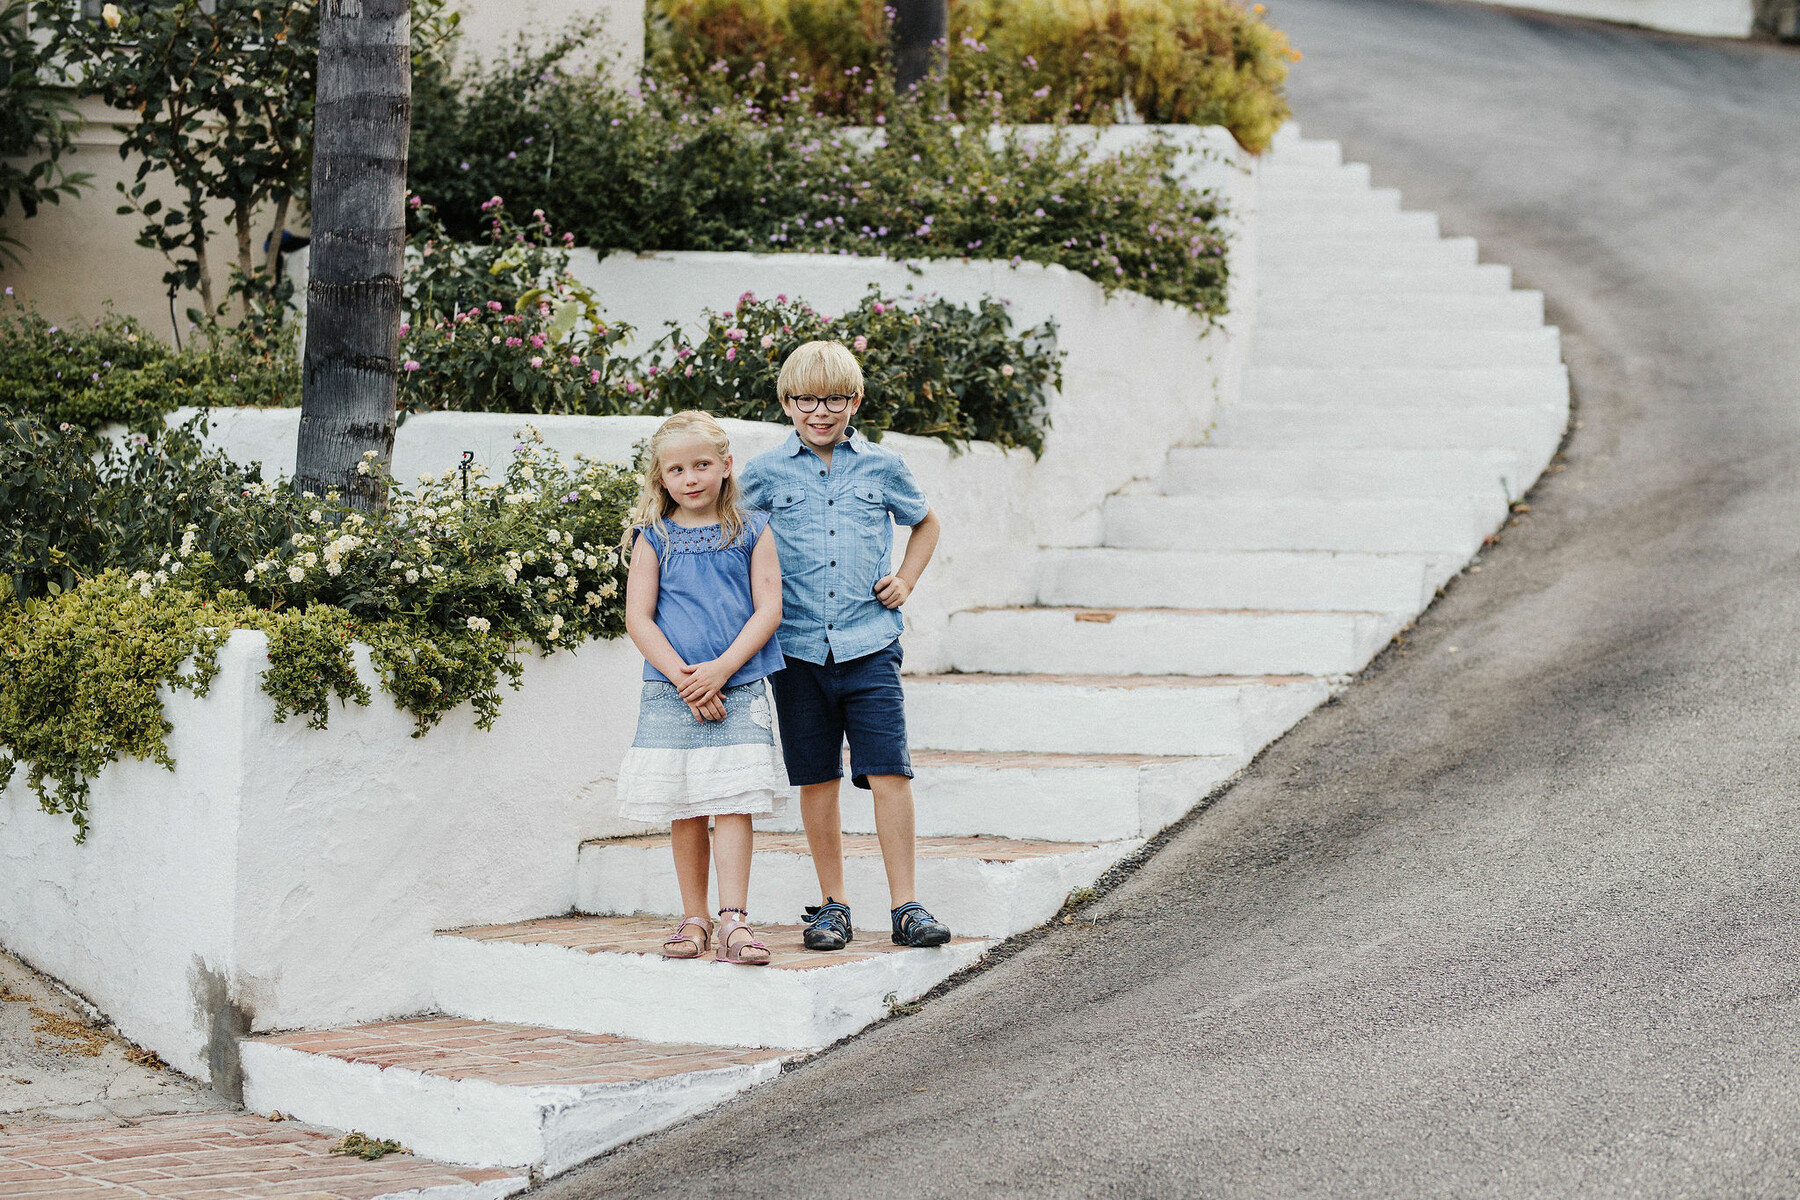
{"x":835,"y":538}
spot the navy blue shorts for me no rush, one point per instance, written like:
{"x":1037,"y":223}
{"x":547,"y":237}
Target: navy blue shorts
{"x":861,"y":700}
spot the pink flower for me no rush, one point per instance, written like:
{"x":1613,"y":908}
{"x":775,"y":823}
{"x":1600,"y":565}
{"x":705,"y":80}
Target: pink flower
{"x":494,"y":306}
{"x":736,"y":335}
{"x":860,"y":344}
{"x":631,"y":385}
{"x":767,"y":341}
{"x":730,"y":353}
{"x":514,"y":342}
{"x":574,"y":360}
{"x":404,"y":329}
{"x":594,"y":377}
{"x":879,"y":307}
{"x":537,"y":360}
{"x":537,"y":341}
{"x":412,"y":364}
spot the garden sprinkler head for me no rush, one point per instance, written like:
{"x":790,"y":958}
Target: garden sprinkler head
{"x":468,"y":460}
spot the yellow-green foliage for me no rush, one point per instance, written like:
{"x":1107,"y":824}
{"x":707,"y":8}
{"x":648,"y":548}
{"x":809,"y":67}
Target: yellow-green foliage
{"x":1181,"y":62}
{"x":1188,"y":62}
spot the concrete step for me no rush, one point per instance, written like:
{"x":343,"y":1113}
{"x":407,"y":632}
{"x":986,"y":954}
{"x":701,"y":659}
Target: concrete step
{"x":1231,"y":716}
{"x":1360,"y":389}
{"x":1163,"y":641}
{"x":607,"y":975}
{"x":488,"y":1093}
{"x":1103,"y":576}
{"x":1520,"y":310}
{"x":1360,"y":253}
{"x":1054,"y":797}
{"x":980,"y":887}
{"x":1446,"y":349}
{"x":1276,"y":176}
{"x":1336,"y":221}
{"x":1532,"y":432}
{"x":1284,"y":280}
{"x":1282,"y":202}
{"x":1277,"y":471}
{"x":1305,"y":153}
{"x":1452,"y":525}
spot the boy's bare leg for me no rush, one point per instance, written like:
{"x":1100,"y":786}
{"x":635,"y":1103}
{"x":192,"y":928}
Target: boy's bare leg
{"x":894,"y":827}
{"x":693,"y":854}
{"x":825,"y":836}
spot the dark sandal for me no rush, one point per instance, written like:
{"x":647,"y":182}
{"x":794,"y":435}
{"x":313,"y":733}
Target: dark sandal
{"x":733,"y":952}
{"x":913,"y":926}
{"x":671,"y":944}
{"x":828,"y":926}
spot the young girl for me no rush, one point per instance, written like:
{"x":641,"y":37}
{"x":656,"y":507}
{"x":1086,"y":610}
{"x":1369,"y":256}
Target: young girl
{"x":702,"y":602}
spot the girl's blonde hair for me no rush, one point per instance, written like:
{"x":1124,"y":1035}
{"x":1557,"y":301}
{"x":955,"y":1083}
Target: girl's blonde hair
{"x":654,"y":504}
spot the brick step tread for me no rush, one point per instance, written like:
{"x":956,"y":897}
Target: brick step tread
{"x":644,"y":935}
{"x":222,"y":1156}
{"x":866,"y":845}
{"x":1025,"y":760}
{"x":512,"y":1055}
{"x":1102,"y":615}
{"x":1122,"y":682}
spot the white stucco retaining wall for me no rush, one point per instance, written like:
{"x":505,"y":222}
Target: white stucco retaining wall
{"x":1708,"y":18}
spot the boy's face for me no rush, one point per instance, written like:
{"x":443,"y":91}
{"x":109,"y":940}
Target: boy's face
{"x":821,"y":428}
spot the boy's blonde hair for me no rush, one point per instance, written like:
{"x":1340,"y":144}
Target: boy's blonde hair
{"x":654,"y":504}
{"x":820,"y":369}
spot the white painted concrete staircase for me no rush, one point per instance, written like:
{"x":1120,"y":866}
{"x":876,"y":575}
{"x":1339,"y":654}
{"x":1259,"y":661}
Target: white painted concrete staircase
{"x":1398,"y":397}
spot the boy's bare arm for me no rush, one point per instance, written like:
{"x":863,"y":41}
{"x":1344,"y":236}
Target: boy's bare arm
{"x":921,"y":544}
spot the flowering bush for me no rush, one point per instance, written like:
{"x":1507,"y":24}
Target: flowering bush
{"x":1191,"y":62}
{"x":447,"y":588}
{"x":931,"y":368}
{"x":659,"y":170}
{"x":530,"y":339}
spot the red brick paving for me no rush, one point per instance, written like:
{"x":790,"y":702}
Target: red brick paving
{"x":1129,"y":682}
{"x":644,"y":935}
{"x":229,"y":1156}
{"x":514,"y":1055}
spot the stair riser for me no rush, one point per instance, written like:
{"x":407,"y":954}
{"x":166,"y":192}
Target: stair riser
{"x":1380,"y":254}
{"x":1360,"y":222}
{"x":1533,"y":433}
{"x":1304,"y":177}
{"x":1353,"y":393}
{"x":1110,"y":578}
{"x":1408,"y":350}
{"x":975,"y":898}
{"x":1341,"y":474}
{"x":644,"y":996}
{"x":1306,"y":154}
{"x":1279,"y":282}
{"x":475,"y":1122}
{"x":1504,"y":311}
{"x":1154,"y":643}
{"x":1098,"y":803}
{"x":1071,"y":719}
{"x":1183,"y":523}
{"x":1289,"y":202}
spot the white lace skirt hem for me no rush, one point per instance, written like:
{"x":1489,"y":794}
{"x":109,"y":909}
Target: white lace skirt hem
{"x":660,"y":785}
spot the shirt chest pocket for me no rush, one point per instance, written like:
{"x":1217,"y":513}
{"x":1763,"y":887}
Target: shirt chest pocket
{"x":788,"y":503}
{"x":868,"y":506}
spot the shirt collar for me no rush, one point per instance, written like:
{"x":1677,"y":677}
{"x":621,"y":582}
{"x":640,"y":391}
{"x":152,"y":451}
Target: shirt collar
{"x":794,"y":447}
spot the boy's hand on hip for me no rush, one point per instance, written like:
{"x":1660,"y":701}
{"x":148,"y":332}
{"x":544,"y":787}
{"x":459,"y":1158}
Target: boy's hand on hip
{"x":892,"y":591}
{"x":702,"y":681}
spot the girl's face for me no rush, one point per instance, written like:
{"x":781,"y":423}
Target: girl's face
{"x":692,"y":472}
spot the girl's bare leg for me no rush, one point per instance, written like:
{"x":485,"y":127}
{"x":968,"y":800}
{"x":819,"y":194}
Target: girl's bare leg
{"x":733,"y":841}
{"x":693,"y":854}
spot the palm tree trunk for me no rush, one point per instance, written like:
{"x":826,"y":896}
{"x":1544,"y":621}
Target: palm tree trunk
{"x":360,"y":126}
{"x":920,"y":30}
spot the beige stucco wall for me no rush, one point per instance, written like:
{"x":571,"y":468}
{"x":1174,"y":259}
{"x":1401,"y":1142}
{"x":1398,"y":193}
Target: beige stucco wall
{"x":81,"y":253}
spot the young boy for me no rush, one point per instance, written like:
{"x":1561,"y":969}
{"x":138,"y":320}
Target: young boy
{"x":829,"y":494}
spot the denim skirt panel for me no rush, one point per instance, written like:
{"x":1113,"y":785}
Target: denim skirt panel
{"x":679,"y":767}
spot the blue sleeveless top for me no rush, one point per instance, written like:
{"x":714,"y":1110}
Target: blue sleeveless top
{"x":703,"y":595}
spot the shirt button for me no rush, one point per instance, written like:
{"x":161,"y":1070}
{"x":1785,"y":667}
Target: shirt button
{"x":834,"y":562}
{"x":832,"y":532}
{"x":829,"y":503}
{"x":821,"y":474}
{"x":833,"y":595}
{"x":830,"y":626}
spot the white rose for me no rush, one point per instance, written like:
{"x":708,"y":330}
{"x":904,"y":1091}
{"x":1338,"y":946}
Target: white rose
{"x":296,"y":574}
{"x":412,"y":576}
{"x":562,"y":569}
{"x":250,"y":575}
{"x":315,"y":516}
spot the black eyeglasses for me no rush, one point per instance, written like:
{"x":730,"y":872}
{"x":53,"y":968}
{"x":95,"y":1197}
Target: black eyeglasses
{"x":810,"y":404}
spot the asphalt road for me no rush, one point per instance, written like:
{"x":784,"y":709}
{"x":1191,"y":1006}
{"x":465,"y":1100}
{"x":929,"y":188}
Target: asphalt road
{"x":1516,"y":918}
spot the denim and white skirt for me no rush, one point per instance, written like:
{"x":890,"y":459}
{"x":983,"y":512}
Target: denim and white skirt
{"x":680,"y":767}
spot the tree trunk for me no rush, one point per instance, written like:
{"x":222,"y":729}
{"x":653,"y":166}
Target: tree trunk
{"x":360,"y":125}
{"x":921,"y":28}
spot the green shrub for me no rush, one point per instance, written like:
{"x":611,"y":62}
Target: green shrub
{"x":658,"y":172}
{"x":1190,"y":62}
{"x":113,"y":370}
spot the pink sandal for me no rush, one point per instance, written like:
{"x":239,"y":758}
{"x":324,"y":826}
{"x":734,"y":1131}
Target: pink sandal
{"x":672,"y":946}
{"x":730,"y":952}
